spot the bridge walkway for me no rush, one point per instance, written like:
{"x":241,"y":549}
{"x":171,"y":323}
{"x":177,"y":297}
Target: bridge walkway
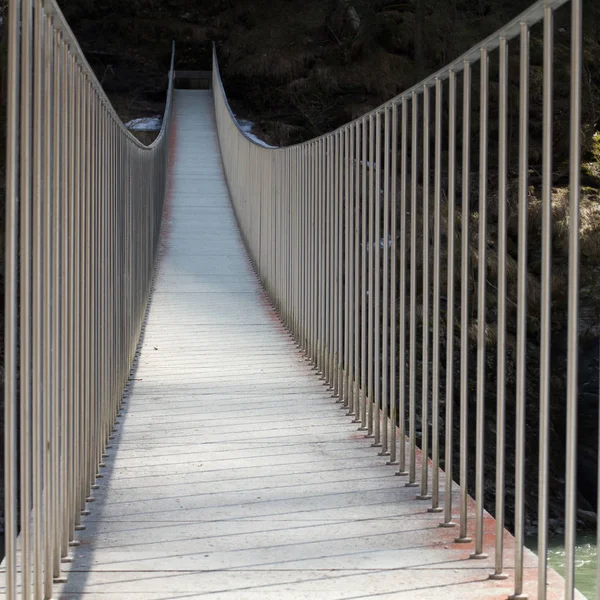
{"x":233,"y":473}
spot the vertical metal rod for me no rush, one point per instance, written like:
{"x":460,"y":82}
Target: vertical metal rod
{"x":296,"y":247}
{"x":393,"y":297}
{"x":79,"y":184}
{"x":94,"y":306}
{"x":322,"y":204}
{"x":364,"y":299}
{"x":377,"y":286}
{"x":49,"y":482}
{"x":435,"y":366}
{"x":295,"y":243}
{"x":385,"y":338}
{"x":114,"y":389}
{"x":424,"y":495}
{"x":402,"y":292}
{"x":331,"y":182}
{"x":299,"y":249}
{"x":340,"y":272}
{"x":324,"y":246}
{"x":328,"y":256}
{"x":573,"y":294}
{"x":357,"y":279}
{"x":78,"y":139}
{"x":25,"y":275}
{"x":501,"y":344}
{"x":292,"y":250}
{"x":302,"y":250}
{"x":481,"y":314}
{"x":316,"y":248}
{"x":370,"y":290}
{"x":521,"y":389}
{"x":66,"y":307}
{"x":58,"y":300}
{"x":347,"y":254}
{"x":351,"y":271}
{"x":11,"y":303}
{"x":449,"y":420}
{"x":289,"y":238}
{"x":331,"y":289}
{"x":464,"y":300}
{"x":336,"y":276}
{"x":412,"y":347}
{"x":314,"y":245}
{"x":326,"y":241}
{"x":546,"y":299}
{"x":323,"y":260}
{"x":70,"y":421}
{"x":306,"y":252}
{"x":37,"y":505}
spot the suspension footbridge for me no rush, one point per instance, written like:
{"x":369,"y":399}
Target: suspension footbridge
{"x":232,"y":472}
{"x":206,"y":390}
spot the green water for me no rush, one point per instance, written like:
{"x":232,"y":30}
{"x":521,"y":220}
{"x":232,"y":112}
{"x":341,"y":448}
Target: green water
{"x":585,"y":561}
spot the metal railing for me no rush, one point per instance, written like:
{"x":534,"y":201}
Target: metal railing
{"x":83,"y":213}
{"x":345,"y":231}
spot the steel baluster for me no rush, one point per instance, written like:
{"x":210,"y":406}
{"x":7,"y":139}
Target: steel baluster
{"x":11,"y":302}
{"x":36,"y":302}
{"x":546,"y":299}
{"x":402,"y":307}
{"x":412,"y":366}
{"x":449,"y":420}
{"x":385,"y":399}
{"x":364,"y":298}
{"x":25,"y":274}
{"x":377,"y":287}
{"x":521,"y":314}
{"x":464,"y":302}
{"x":350,"y":270}
{"x":501,"y":361}
{"x":393,"y":297}
{"x":481,"y":314}
{"x":424,"y":495}
{"x":435,"y":366}
{"x":573,"y":295}
{"x":370,"y":285}
{"x":357,"y":273}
